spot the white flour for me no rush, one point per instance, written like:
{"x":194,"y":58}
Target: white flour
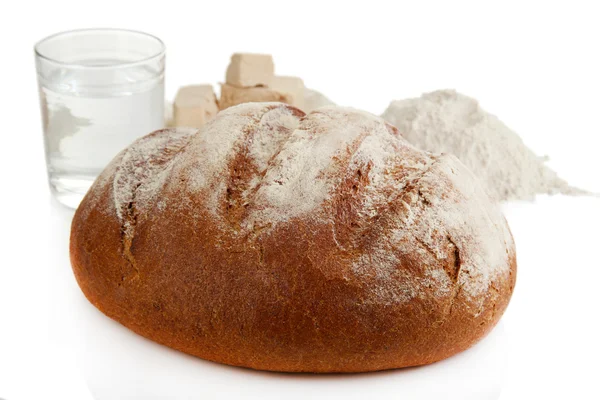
{"x":448,"y":122}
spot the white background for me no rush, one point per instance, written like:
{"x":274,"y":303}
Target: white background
{"x":534,"y":64}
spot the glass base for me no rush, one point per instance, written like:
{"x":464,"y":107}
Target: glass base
{"x":69,"y":191}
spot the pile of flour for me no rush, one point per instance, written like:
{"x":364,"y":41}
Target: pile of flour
{"x":448,"y":122}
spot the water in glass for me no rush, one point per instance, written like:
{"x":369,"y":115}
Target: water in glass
{"x":89,"y":118}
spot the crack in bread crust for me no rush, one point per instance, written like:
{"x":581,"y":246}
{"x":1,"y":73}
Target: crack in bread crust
{"x":139,"y":167}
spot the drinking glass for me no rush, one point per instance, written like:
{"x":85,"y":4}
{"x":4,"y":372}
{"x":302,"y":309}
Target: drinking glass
{"x":100,"y":89}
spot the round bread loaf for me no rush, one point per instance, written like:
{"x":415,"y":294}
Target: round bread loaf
{"x":281,"y":241}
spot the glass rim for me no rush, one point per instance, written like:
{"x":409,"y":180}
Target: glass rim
{"x":125,"y":64}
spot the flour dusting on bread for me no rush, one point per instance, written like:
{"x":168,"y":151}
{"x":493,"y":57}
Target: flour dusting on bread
{"x":444,"y":219}
{"x":140,"y":172}
{"x":262,"y":164}
{"x":304,"y":172}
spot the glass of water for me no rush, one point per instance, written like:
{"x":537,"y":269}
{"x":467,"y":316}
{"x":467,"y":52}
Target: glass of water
{"x":100,"y":89}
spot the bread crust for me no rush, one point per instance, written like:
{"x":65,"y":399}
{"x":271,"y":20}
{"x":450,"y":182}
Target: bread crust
{"x":193,"y":258}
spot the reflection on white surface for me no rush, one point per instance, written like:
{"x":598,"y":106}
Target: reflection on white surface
{"x":118,"y":364}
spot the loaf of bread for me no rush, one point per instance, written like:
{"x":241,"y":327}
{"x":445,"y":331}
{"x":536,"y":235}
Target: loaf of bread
{"x":281,"y":241}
